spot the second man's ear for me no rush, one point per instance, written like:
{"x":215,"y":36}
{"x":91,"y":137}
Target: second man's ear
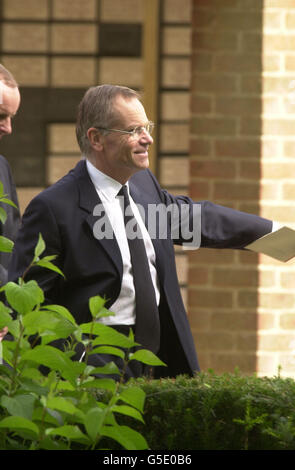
{"x":95,"y":138}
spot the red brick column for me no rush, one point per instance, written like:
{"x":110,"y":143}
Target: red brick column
{"x":242,"y":154}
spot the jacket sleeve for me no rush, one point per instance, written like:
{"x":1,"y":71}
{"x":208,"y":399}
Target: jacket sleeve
{"x":37,"y":219}
{"x":205,"y":224}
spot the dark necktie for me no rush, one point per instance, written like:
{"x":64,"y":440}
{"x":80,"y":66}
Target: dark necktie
{"x":147,"y":328}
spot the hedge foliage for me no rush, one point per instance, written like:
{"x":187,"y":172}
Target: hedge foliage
{"x":219,"y":412}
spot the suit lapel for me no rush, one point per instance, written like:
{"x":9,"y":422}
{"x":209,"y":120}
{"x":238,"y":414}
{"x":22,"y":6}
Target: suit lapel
{"x":88,"y":201}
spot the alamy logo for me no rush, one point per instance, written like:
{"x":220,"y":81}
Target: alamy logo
{"x":179,"y":222}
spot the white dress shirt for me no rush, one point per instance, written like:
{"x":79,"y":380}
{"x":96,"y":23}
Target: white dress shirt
{"x":107,"y":189}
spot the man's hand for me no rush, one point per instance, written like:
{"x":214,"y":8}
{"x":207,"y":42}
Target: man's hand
{"x":3,"y":332}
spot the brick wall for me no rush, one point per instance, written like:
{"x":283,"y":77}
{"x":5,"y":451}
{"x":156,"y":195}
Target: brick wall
{"x":241,"y":305}
{"x":174,"y":107}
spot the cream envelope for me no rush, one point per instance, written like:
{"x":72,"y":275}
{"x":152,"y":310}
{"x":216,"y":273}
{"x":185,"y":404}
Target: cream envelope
{"x":279,"y":244}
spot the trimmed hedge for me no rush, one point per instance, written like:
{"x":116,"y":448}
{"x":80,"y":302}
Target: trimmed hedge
{"x":218,"y":412}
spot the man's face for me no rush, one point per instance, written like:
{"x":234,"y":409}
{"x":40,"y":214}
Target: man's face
{"x":9,"y":104}
{"x":124,"y":154}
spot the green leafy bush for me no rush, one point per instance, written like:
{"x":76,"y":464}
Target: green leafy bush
{"x":59,"y":410}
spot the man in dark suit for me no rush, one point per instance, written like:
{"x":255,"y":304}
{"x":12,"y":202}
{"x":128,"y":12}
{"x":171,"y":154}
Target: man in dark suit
{"x":84,"y":221}
{"x":9,"y":104}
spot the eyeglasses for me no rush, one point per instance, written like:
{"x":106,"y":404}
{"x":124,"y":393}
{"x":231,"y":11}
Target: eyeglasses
{"x":136,"y":132}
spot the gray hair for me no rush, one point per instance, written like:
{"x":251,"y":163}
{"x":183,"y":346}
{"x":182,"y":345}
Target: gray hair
{"x":96,"y":110}
{"x":7,"y":77}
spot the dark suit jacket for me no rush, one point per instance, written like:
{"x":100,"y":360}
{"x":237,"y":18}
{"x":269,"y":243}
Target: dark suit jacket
{"x":63,"y":213}
{"x":9,"y":229}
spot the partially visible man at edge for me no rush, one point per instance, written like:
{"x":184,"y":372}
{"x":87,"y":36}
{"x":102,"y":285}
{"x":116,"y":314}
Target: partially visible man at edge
{"x":9,"y":104}
{"x":114,"y":135}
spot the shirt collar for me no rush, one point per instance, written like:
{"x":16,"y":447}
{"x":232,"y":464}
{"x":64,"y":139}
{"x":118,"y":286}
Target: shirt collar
{"x":103,"y":183}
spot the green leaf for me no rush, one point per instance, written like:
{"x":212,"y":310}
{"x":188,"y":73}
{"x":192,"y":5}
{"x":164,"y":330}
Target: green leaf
{"x":19,"y":405}
{"x":14,"y":328}
{"x":128,"y":411}
{"x":8,"y":201}
{"x":96,"y":304}
{"x":55,"y":359}
{"x":6,"y":353}
{"x":45,"y":415}
{"x":6,"y":245}
{"x":127,"y":437}
{"x":46,"y":322}
{"x":147,"y":357}
{"x":39,"y":248}
{"x":108,"y":369}
{"x":1,"y":353}
{"x":134,"y":396}
{"x":48,"y":265}
{"x":62,"y":311}
{"x":62,"y":404}
{"x":73,"y":433}
{"x":3,"y":215}
{"x":108,"y":350}
{"x":93,"y":422}
{"x":20,"y":424}
{"x":5,"y":317}
{"x":4,"y":308}
{"x":105,"y":384}
{"x":49,"y":257}
{"x":97,"y":307}
{"x":30,"y":381}
{"x":64,"y":385}
{"x":52,"y":444}
{"x":23,"y":298}
{"x":32,"y":373}
{"x":107,"y":335}
{"x":46,"y":355}
{"x":5,"y":372}
{"x":38,"y":321}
